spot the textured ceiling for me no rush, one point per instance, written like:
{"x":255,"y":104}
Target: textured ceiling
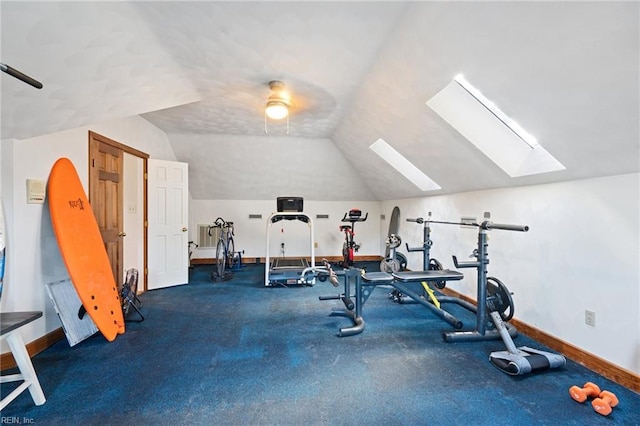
{"x":357,"y":71}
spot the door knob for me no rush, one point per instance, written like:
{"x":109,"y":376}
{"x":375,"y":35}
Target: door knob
{"x":184,"y":229}
{"x":122,"y":234}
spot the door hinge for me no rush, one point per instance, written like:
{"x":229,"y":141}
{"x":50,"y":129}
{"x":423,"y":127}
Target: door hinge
{"x":146,"y":176}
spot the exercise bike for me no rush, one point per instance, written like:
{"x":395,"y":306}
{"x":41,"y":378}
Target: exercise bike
{"x":349,"y":247}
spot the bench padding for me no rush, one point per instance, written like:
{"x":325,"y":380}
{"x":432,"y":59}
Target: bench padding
{"x":419,"y":276}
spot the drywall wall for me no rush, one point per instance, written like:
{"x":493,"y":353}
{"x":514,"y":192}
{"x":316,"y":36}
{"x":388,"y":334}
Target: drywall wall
{"x":251,"y":234}
{"x":133,"y":216}
{"x":582,"y":252}
{"x":34,"y":258}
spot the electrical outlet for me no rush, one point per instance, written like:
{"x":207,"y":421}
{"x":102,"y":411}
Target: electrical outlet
{"x":590,"y":318}
{"x":315,"y":245}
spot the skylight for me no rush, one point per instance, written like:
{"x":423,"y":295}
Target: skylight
{"x":494,"y":133}
{"x":403,"y":166}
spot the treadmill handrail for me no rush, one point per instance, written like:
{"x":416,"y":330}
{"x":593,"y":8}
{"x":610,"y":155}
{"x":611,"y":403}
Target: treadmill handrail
{"x":270,"y":221}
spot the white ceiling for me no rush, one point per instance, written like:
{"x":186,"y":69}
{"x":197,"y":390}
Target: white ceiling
{"x":357,"y":71}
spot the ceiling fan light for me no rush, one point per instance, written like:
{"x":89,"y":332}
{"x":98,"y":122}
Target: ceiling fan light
{"x":276,"y":110}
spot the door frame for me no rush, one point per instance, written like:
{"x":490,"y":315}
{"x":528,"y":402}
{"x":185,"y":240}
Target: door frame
{"x":139,"y":154}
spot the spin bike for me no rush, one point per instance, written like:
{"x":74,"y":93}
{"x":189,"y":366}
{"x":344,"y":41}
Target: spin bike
{"x":350,"y":246}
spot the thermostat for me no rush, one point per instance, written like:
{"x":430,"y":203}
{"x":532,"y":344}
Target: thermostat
{"x":36,"y":190}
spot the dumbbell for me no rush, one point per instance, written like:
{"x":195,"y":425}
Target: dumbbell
{"x":605,"y":403}
{"x":581,"y":394}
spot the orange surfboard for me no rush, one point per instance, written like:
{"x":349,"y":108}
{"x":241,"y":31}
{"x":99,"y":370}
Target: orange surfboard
{"x":82,"y":249}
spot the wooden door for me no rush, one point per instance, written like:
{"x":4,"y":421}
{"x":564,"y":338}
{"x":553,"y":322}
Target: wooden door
{"x":105,"y":196}
{"x":168,"y":192}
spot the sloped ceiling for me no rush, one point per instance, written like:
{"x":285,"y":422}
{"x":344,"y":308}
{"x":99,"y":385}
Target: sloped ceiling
{"x":358,"y":71}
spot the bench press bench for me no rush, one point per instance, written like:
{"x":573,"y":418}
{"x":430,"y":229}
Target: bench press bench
{"x":365,"y":283}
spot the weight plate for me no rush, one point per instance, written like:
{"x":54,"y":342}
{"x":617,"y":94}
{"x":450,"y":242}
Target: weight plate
{"x":402,"y":260}
{"x":393,"y":241}
{"x":435,"y":265}
{"x":390,"y":265}
{"x":499,"y":299}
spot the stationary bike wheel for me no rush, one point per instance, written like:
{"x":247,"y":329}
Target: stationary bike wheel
{"x":220,"y":259}
{"x":231,"y":253}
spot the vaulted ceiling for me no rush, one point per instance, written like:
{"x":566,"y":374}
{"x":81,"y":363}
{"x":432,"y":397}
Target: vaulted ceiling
{"x":357,"y":71}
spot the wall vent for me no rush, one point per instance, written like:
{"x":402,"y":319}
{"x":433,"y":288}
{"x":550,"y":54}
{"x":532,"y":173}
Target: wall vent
{"x":255,"y":216}
{"x":204,"y":239}
{"x":322,"y":216}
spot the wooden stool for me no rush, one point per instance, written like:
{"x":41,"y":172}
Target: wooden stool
{"x":10,"y":323}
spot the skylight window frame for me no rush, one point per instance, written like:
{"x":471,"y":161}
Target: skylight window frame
{"x":497,"y":112}
{"x":494,"y":133}
{"x":403,"y":166}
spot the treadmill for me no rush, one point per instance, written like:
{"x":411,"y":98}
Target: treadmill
{"x":282,"y":271}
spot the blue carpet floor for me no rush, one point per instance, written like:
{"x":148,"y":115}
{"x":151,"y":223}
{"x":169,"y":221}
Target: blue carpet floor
{"x":238,"y":353}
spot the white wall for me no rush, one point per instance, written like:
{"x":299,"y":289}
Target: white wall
{"x":33,"y":258}
{"x":133,"y":216}
{"x":251,"y":234}
{"x":582,"y":252}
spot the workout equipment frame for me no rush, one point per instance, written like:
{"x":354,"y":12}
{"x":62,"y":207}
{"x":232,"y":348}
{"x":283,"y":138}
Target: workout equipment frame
{"x":364,"y":284}
{"x":499,"y":299}
{"x":428,"y":264}
{"x":289,"y":271}
{"x":518,"y":361}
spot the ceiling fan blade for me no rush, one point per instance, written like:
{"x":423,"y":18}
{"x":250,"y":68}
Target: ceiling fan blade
{"x":20,"y":76}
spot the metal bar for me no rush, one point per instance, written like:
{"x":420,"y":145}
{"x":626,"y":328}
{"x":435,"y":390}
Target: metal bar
{"x":20,"y":76}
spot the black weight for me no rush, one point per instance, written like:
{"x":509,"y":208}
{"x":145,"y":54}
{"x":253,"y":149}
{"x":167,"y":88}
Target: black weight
{"x":402,"y":260}
{"x":499,"y":299}
{"x":435,"y":265}
{"x":322,"y":277}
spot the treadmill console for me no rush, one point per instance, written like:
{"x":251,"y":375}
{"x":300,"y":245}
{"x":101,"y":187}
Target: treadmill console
{"x":289,"y":204}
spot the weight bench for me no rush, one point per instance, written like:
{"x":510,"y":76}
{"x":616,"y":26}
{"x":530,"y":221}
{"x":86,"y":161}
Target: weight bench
{"x":366,"y":283}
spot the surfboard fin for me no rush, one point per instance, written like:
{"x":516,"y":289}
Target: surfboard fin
{"x":81,"y":312}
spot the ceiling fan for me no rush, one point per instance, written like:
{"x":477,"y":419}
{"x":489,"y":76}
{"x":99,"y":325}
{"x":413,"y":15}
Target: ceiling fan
{"x":277,"y":105}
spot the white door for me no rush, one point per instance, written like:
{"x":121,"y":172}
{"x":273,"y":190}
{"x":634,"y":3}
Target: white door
{"x":167,"y":187}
